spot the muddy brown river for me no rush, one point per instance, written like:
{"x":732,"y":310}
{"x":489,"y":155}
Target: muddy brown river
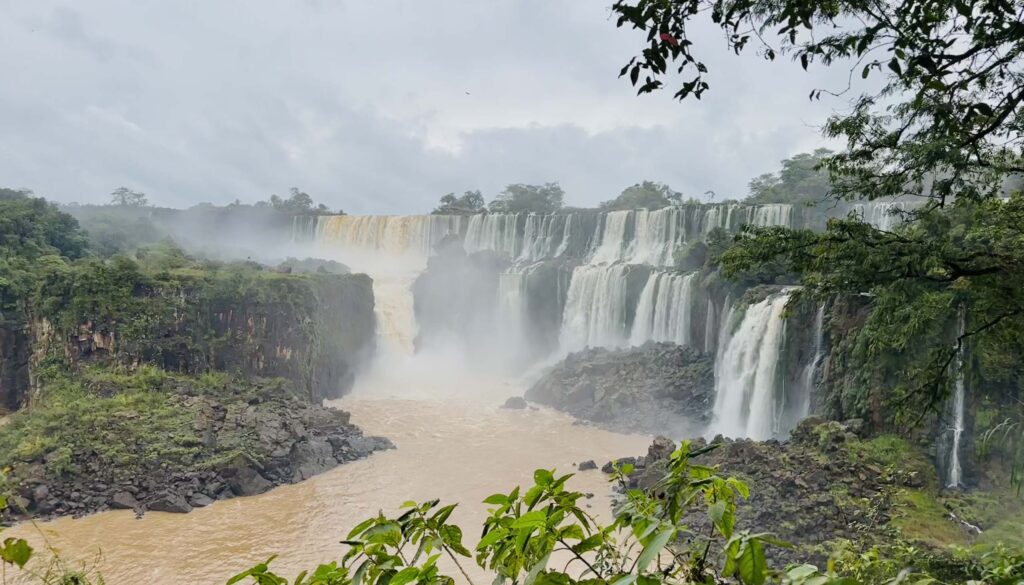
{"x":455,"y":449}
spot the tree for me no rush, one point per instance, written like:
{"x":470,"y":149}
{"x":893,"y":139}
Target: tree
{"x":946,"y":127}
{"x":646,"y":195}
{"x":801,"y":181}
{"x":469,"y":203}
{"x":126,"y":196}
{"x":519,"y":198}
{"x":298,"y":201}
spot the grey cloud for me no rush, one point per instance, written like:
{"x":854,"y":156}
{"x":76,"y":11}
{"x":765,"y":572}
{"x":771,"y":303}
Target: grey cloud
{"x":365,"y":105}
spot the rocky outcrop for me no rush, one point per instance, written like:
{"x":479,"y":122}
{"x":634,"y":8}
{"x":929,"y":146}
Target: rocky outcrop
{"x":246,"y":438}
{"x":655,"y":388}
{"x":820,"y":486}
{"x":14,"y":364}
{"x":313,"y":329}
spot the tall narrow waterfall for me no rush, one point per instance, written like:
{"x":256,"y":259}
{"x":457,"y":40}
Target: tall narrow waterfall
{"x":954,"y":473}
{"x":664,"y":310}
{"x":393,"y":250}
{"x":800,"y":406}
{"x":747,"y":401}
{"x":595,"y":309}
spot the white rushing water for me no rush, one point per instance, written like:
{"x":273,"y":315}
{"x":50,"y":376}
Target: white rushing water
{"x":954,"y":475}
{"x":664,"y":310}
{"x":595,"y":308}
{"x":746,"y":401}
{"x":883,"y":215}
{"x":802,"y":406}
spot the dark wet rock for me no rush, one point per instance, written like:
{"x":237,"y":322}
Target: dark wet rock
{"x":311,"y":457}
{"x":124,"y":501}
{"x":286,"y":439}
{"x":654,"y":388}
{"x":169,"y":502}
{"x":618,"y":463}
{"x":814,"y":488}
{"x":515,"y":403}
{"x":199,"y":500}
{"x":587,"y":465}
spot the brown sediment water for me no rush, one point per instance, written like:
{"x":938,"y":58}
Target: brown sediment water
{"x":454,"y":449}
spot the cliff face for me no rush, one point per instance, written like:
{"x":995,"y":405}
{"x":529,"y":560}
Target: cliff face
{"x":14,"y":365}
{"x":312,"y":329}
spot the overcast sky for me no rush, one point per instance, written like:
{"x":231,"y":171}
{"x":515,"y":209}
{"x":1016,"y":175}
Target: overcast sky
{"x":373,"y":106}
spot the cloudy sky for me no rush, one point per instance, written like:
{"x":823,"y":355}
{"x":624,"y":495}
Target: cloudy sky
{"x":374,"y":106}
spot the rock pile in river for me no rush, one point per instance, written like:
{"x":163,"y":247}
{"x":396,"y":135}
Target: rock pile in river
{"x":247,"y":437}
{"x":655,"y":388}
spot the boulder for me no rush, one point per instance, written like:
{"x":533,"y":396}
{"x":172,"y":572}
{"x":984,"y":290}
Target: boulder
{"x":587,"y":465}
{"x":515,"y":403}
{"x":169,"y":502}
{"x":654,"y":388}
{"x":311,"y":457}
{"x":200,"y":500}
{"x":243,"y":479}
{"x":123,"y":501}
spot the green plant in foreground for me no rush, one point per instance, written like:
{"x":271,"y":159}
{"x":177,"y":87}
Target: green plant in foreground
{"x":541,"y":536}
{"x":526,"y":531}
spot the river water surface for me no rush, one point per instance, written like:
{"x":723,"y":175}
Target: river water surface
{"x":455,"y":449}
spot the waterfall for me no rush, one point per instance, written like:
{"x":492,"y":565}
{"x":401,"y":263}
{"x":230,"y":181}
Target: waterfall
{"x":398,"y":235}
{"x":496,"y":232}
{"x":709,"y":328}
{"x":881,"y":214}
{"x":595,"y":308}
{"x":780,"y":214}
{"x":393,"y":250}
{"x":802,"y":406}
{"x":664,"y":310}
{"x":954,"y":474}
{"x":610,"y":238}
{"x":746,"y":403}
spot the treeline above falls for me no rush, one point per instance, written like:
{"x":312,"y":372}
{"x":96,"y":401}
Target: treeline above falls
{"x":516,"y":290}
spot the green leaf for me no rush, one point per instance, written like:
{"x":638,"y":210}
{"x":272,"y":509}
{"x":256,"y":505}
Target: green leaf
{"x":752,"y":565}
{"x":651,"y":550}
{"x":626,"y":579}
{"x":531,"y":519}
{"x":716,"y":512}
{"x":590,"y":543}
{"x":531,"y":576}
{"x":406,"y":575}
{"x":497,"y":499}
{"x":491,"y":537}
{"x":360,"y":527}
{"x":543,"y":477}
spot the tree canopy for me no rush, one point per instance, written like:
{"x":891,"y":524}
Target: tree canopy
{"x":126,"y":196}
{"x":468,"y":203}
{"x":801,"y":181}
{"x":945,"y":127}
{"x":520,"y":198}
{"x":298,"y":202}
{"x":32,"y":229}
{"x":646,"y":195}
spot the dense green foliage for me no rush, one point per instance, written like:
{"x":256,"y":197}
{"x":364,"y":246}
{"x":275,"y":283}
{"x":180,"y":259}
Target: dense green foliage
{"x":131,"y":420}
{"x":520,"y":198}
{"x":646,"y":195}
{"x":946,"y":127}
{"x":468,"y":203}
{"x":800,"y":181}
{"x":32,"y":231}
